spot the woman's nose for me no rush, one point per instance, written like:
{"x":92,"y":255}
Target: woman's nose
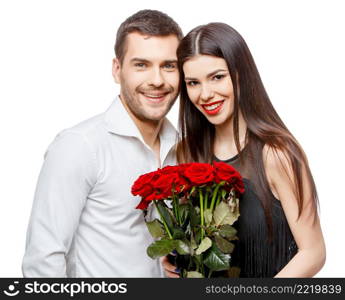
{"x":206,"y":93}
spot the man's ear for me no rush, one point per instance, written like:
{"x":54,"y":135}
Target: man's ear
{"x":116,"y":70}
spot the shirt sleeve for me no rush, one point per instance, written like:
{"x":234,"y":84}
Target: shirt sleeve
{"x":66,"y":178}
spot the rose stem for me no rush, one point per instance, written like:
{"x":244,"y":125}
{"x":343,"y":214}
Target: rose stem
{"x":215,"y":192}
{"x":177,"y":213}
{"x":206,"y":200}
{"x":218,"y":199}
{"x":201,"y":213}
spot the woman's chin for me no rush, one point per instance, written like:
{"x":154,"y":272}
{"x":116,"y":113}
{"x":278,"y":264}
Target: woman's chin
{"x":216,"y":121}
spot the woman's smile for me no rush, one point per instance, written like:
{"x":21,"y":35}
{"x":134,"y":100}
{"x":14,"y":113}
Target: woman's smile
{"x":213,"y":108}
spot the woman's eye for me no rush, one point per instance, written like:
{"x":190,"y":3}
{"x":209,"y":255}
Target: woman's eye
{"x":218,"y":77}
{"x":192,"y":83}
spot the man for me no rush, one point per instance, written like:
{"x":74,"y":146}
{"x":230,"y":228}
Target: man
{"x":84,"y":222}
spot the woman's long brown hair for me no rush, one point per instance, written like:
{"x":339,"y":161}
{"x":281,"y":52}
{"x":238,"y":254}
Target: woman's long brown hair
{"x":264,"y":126}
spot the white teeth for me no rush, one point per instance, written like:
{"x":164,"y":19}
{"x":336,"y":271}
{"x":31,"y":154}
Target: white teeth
{"x":214,"y":106}
{"x":154,"y":96}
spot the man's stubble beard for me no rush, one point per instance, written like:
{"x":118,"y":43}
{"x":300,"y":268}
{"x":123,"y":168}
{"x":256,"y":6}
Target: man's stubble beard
{"x":134,"y":106}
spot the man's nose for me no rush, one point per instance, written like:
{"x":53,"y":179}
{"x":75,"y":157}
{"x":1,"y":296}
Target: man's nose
{"x":156,"y":78}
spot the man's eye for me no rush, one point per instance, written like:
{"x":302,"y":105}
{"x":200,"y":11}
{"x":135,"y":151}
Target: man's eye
{"x":140,"y":65}
{"x":169,"y":66}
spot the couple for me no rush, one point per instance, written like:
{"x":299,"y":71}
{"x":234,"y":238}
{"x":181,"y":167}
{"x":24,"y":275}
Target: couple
{"x":83,"y":221}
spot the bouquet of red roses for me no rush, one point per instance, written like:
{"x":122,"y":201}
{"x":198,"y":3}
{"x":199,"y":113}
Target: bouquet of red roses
{"x":197,"y":204}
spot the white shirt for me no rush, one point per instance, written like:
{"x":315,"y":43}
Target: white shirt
{"x":83,"y":221}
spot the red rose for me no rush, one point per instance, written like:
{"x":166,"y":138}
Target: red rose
{"x":172,"y":178}
{"x":225,"y":172}
{"x":156,"y":185}
{"x":185,"y":183}
{"x":143,"y":186}
{"x":143,"y":204}
{"x":239,"y":185}
{"x":166,"y":183}
{"x":169,"y":170}
{"x":199,"y":173}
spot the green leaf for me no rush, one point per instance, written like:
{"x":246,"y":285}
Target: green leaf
{"x":193,"y":243}
{"x":210,"y":230}
{"x":194,"y":274}
{"x":178,"y":233}
{"x":182,"y":248}
{"x":198,"y":236}
{"x":204,"y":245}
{"x":194,"y":217}
{"x":215,"y":260}
{"x":183,"y":212}
{"x":227,"y":231}
{"x":224,"y":245}
{"x":222,"y":214}
{"x":208,"y":216}
{"x":160,"y":248}
{"x":156,"y":228}
{"x":164,"y":211}
{"x":197,"y":259}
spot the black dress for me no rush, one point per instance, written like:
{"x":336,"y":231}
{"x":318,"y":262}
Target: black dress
{"x":255,"y":253}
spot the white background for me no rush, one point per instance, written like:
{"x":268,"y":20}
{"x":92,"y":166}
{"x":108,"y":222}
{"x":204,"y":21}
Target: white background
{"x":55,"y":71}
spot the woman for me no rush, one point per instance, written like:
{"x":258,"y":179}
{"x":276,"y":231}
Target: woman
{"x":226,"y":115}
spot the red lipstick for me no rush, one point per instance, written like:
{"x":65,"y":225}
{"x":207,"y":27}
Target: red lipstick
{"x":213,"y":108}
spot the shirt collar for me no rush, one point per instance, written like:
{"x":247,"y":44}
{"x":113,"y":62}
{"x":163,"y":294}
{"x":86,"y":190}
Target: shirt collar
{"x":119,"y":122}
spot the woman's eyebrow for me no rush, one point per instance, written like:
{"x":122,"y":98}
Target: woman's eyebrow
{"x":208,"y":75}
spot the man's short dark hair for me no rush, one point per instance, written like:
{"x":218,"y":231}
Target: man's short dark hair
{"x":148,"y":22}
